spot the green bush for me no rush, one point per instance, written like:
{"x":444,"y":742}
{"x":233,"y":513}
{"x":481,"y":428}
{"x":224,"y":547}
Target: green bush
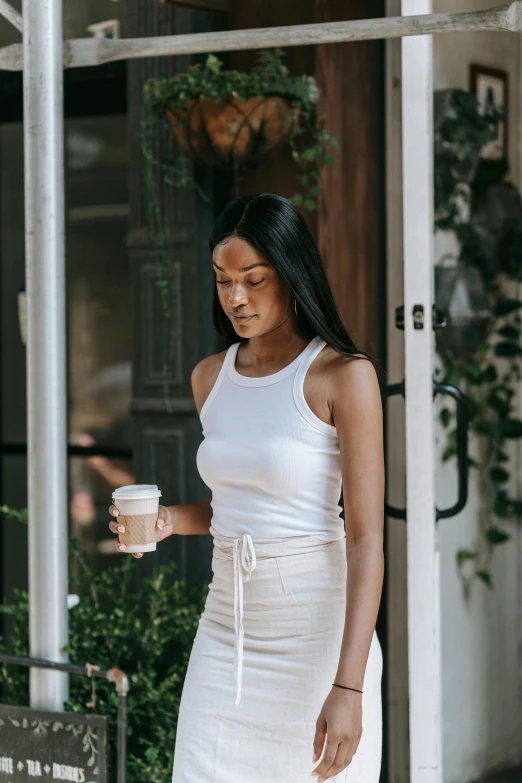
{"x":144,"y":628}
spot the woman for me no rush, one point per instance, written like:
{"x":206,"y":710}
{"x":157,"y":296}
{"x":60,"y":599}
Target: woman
{"x":285,"y":661}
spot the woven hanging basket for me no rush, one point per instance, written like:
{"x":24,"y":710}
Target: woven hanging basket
{"x":225,"y":135}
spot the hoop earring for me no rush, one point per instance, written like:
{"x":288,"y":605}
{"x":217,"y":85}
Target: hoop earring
{"x":295,"y":306}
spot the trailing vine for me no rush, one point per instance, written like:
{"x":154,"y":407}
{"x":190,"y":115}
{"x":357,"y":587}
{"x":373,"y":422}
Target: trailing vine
{"x":485,"y":215}
{"x":311,"y":146}
{"x":164,"y":257}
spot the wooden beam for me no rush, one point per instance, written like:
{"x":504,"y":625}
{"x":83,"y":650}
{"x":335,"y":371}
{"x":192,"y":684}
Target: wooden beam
{"x":212,"y":6}
{"x":81,"y":52}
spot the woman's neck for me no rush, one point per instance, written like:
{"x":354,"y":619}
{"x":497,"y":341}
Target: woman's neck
{"x":277,"y":347}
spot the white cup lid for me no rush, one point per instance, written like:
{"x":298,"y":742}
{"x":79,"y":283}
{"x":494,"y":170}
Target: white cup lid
{"x":136,"y":492}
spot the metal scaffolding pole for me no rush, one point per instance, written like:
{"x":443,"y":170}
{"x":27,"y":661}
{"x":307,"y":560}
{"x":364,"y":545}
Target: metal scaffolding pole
{"x":46,"y":346}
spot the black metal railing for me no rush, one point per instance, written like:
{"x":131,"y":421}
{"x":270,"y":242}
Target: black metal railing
{"x":20,"y":449}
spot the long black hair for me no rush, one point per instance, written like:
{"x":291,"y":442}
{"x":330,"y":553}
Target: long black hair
{"x":274,"y":226}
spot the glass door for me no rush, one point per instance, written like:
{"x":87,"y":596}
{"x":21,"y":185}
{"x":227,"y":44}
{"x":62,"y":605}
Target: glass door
{"x":98,"y":336}
{"x":99,"y":325}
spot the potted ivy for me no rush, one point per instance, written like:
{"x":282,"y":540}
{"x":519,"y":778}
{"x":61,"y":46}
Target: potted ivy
{"x":224,"y":133}
{"x":228,"y":119}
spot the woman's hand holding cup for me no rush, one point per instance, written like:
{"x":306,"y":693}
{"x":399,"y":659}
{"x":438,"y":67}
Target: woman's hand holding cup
{"x":163,"y":527}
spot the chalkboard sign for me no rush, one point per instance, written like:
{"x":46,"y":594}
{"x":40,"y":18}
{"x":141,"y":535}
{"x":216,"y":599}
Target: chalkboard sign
{"x":51,"y":746}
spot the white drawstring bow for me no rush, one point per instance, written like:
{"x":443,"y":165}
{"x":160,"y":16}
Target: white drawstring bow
{"x":244,"y":564}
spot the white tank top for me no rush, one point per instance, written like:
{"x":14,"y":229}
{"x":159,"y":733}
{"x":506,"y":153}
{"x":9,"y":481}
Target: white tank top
{"x":272,"y":465}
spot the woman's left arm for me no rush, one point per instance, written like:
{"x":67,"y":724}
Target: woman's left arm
{"x":356,"y":406}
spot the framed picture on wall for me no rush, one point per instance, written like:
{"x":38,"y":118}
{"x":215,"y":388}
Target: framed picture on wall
{"x":490,"y":86}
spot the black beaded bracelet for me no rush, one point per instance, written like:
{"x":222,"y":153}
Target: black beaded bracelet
{"x":347,"y":688}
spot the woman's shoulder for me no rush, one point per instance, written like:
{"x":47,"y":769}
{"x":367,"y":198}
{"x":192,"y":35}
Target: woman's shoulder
{"x":339,"y":373}
{"x":337,"y":367}
{"x":334,"y":379}
{"x":204,"y":376}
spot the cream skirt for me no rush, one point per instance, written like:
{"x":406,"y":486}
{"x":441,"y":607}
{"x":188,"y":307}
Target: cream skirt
{"x":263,"y":660}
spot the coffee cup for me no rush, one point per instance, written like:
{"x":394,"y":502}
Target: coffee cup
{"x":138,"y":506}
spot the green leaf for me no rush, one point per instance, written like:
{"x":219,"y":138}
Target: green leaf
{"x":445,"y":416}
{"x":449,"y":452}
{"x":454,"y":375}
{"x":213,"y":64}
{"x":509,"y":332}
{"x":309,"y":154}
{"x":499,"y":398}
{"x":510,"y":428}
{"x":316,"y":191}
{"x":506,"y":349}
{"x":505,"y":305}
{"x":490,"y":374}
{"x":495,"y":536}
{"x":484,"y":427}
{"x":503,"y":506}
{"x":474,"y":373}
{"x":485,"y":576}
{"x":14,"y":513}
{"x":473,"y":407}
{"x":463,"y":555}
{"x":498,"y":475}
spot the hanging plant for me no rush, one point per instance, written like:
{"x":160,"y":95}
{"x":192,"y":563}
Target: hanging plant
{"x":485,"y":214}
{"x":233,"y":121}
{"x":233,"y":132}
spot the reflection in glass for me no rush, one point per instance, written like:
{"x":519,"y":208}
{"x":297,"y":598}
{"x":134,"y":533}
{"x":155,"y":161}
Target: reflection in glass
{"x":99,"y":327}
{"x":92,"y":480}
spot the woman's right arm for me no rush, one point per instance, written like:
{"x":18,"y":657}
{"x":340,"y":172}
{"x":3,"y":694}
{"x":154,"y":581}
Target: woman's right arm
{"x":185,"y":519}
{"x":191,"y":519}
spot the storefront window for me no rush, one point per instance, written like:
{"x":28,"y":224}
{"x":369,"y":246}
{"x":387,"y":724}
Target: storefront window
{"x":99,"y":323}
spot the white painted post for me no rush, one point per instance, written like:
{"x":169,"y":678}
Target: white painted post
{"x":46,"y":355}
{"x":422,"y":554}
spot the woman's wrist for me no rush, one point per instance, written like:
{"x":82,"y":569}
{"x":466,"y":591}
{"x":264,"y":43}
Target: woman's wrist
{"x":347,"y":687}
{"x":170,"y":517}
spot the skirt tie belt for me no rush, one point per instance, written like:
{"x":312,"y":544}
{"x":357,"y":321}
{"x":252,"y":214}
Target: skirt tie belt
{"x":244,"y":556}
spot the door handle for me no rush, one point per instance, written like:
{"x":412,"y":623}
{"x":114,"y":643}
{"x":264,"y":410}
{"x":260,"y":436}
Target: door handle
{"x":462,"y":449}
{"x":392,"y":390}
